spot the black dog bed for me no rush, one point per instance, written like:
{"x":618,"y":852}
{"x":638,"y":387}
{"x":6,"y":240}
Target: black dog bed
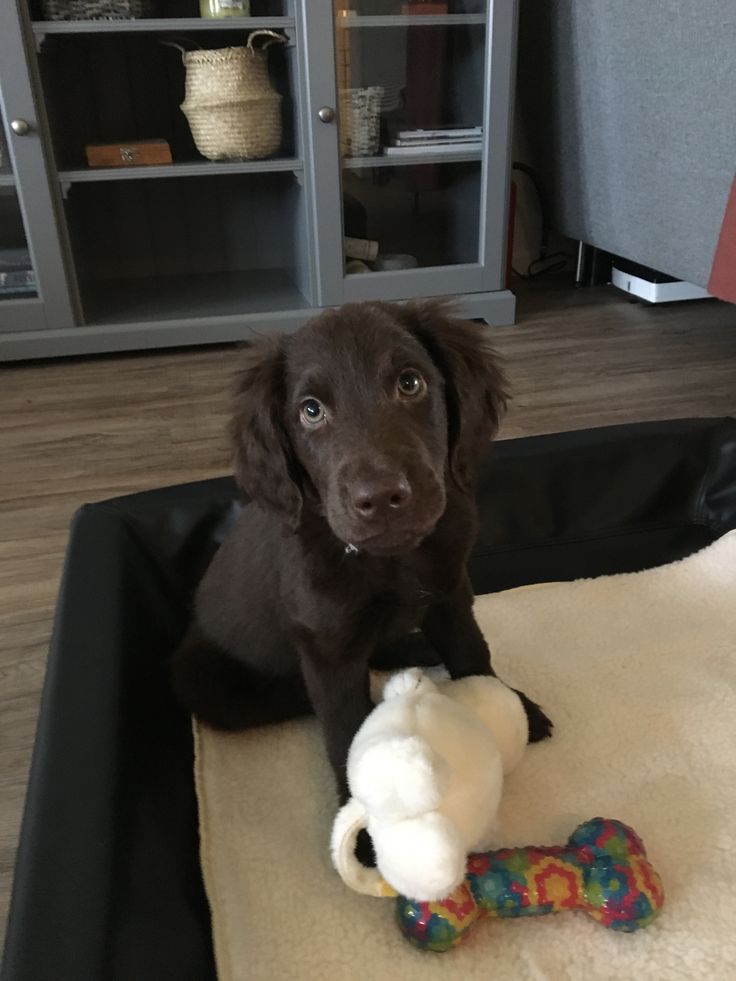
{"x":107,"y":883}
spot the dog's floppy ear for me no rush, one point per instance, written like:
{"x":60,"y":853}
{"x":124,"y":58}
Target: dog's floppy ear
{"x":475,"y":387}
{"x":265,"y":466}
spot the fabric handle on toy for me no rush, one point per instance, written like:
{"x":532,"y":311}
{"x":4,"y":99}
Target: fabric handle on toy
{"x":350,"y":820}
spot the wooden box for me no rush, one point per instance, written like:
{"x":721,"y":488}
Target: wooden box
{"x":141,"y":153}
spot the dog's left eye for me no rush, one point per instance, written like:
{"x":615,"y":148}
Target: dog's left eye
{"x":411,"y":383}
{"x":312,"y":412}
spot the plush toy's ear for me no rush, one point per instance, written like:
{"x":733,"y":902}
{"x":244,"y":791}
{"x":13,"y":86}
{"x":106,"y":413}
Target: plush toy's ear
{"x":265,"y":466}
{"x":475,"y":387}
{"x":412,"y":682}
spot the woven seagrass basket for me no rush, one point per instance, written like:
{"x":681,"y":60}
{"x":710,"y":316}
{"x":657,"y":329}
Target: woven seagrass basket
{"x":360,"y":119}
{"x":233,"y":110}
{"x":96,"y":9}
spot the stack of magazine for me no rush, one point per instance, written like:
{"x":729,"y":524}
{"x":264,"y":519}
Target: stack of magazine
{"x":433,"y":141}
{"x":16,"y":273}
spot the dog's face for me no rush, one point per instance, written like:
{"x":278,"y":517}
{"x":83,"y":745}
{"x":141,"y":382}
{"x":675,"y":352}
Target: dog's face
{"x":362,"y":415}
{"x":365,"y":413}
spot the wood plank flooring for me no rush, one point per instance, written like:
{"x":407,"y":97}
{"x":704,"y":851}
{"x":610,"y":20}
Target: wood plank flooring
{"x":85,"y":429}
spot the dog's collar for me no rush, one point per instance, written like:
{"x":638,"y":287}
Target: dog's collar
{"x":350,"y":549}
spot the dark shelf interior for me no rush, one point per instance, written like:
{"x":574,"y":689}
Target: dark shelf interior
{"x":240,"y":228}
{"x":427,"y":211}
{"x":198,"y":296}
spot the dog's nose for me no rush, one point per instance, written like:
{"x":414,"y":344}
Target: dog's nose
{"x":380,"y":496}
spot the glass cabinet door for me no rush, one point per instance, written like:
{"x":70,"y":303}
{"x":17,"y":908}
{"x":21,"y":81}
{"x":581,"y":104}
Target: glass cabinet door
{"x":34,"y":288}
{"x":17,"y":274}
{"x":412,"y":103}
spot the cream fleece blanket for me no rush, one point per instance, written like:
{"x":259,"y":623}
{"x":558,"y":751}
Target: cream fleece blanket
{"x":639,"y":674}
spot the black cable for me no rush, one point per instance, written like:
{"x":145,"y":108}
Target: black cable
{"x":541,"y":198}
{"x":549,"y":263}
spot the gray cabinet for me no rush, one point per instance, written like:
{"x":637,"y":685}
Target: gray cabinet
{"x":396,"y":133}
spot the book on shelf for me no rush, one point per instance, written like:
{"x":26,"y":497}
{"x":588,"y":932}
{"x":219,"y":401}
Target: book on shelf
{"x":13,"y":259}
{"x":17,"y":279}
{"x":440,"y":141}
{"x":429,"y":149}
{"x":441,"y":133}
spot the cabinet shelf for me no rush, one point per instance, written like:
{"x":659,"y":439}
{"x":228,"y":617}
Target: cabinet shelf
{"x":194,"y":168}
{"x":201,"y":296}
{"x":157,"y":25}
{"x":7,"y":180}
{"x":410,"y":20}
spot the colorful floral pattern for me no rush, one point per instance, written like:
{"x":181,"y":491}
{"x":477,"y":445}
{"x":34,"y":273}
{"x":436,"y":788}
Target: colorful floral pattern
{"x":603,"y":870}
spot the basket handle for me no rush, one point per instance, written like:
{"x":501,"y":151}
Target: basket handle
{"x":184,"y":51}
{"x":275,"y":38}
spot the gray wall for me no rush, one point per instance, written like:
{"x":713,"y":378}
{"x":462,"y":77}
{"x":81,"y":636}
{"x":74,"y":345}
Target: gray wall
{"x":629,"y":111}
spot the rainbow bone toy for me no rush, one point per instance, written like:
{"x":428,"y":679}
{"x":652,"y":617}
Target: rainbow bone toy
{"x":603,"y":871}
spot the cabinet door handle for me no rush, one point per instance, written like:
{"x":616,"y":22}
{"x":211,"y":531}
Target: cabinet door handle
{"x":326,"y":114}
{"x":21,"y":127}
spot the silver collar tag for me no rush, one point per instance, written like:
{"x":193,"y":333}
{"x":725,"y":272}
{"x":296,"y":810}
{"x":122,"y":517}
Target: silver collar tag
{"x":351,"y":549}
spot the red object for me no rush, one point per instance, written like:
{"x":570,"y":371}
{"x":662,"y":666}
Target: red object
{"x":722,"y":282}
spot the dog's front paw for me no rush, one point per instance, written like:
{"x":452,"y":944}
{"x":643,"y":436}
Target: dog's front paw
{"x":540,"y":727}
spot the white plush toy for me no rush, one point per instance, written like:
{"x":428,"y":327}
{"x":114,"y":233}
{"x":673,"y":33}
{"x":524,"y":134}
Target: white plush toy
{"x":425,"y":772}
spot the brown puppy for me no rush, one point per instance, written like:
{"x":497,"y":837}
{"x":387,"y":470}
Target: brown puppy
{"x":357,"y":440}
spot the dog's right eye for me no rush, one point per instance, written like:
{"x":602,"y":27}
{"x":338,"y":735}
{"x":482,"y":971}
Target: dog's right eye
{"x":312,"y":412}
{"x":410,"y":383}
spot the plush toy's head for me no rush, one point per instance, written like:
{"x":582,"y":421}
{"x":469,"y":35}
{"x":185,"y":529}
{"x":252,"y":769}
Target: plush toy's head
{"x":426,"y":773}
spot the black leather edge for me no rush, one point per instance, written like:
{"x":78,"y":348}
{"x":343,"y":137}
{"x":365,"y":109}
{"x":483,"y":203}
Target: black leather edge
{"x":107,"y":882}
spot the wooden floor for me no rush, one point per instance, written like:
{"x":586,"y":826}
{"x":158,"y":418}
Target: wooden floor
{"x":85,"y":429}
